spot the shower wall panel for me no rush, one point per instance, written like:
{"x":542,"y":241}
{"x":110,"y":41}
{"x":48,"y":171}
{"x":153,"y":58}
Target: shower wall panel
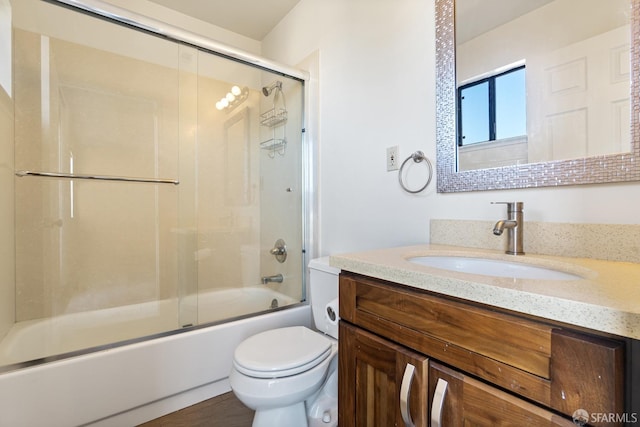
{"x":228,"y":173}
{"x":281,"y":191}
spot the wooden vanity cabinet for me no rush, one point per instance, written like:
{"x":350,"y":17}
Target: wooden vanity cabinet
{"x":382,"y":375}
{"x":470,"y":365}
{"x":465,"y":401}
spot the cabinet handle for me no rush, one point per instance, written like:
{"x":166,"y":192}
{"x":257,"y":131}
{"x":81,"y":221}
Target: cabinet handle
{"x":438,"y":403}
{"x":405,"y":389}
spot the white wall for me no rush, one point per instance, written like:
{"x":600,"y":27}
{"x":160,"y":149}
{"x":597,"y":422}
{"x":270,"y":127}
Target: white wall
{"x":377,"y":89}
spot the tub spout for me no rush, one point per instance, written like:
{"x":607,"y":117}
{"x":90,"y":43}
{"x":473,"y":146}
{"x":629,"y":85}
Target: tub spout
{"x":269,"y":279}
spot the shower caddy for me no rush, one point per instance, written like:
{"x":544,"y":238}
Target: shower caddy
{"x":275,"y":119}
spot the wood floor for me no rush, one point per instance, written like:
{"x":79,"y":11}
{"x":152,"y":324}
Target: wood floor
{"x":221,"y":411}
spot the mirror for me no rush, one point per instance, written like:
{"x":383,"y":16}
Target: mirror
{"x":558,"y":147}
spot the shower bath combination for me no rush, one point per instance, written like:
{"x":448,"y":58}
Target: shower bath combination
{"x":89,"y":262}
{"x":130,"y":234}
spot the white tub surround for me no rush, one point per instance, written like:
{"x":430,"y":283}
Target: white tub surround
{"x":606,"y":299}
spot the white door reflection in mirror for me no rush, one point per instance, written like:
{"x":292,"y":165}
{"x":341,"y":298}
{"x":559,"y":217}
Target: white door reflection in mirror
{"x":577,"y":59}
{"x":583,"y":107}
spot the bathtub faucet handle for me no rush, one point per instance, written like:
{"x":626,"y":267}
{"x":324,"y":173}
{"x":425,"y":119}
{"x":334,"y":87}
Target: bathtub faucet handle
{"x":279,"y":251}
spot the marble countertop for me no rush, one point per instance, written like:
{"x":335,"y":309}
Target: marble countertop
{"x":606,"y":298}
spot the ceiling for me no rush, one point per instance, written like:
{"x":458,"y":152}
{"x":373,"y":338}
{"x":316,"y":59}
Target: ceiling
{"x":474,"y":17}
{"x":256,"y":18}
{"x":251,"y":18}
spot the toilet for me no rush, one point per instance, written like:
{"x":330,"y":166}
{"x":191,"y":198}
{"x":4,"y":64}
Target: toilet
{"x":289,"y":376}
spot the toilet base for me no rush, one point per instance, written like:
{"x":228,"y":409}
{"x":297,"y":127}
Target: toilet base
{"x":322,"y":410}
{"x":289,"y":416}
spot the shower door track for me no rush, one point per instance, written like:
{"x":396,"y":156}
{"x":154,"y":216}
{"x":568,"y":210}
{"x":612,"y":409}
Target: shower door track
{"x":144,"y":23}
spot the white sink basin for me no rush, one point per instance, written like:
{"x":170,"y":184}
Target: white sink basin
{"x":493,"y":267}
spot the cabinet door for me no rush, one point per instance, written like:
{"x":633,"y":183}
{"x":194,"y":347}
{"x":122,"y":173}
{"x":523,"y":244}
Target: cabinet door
{"x":380,"y":384}
{"x":457,"y":400}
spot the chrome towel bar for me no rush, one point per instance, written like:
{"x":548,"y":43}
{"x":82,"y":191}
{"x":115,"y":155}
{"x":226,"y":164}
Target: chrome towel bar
{"x":96,"y":177}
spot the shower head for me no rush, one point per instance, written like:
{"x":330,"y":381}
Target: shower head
{"x":268,"y":89}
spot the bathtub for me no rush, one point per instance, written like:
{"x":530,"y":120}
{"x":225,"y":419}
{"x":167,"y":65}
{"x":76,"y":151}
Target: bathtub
{"x":36,"y":339}
{"x":134,"y":383}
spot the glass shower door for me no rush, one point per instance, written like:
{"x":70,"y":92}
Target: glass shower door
{"x":249,"y":191}
{"x":96,"y":253}
{"x":152,"y":187}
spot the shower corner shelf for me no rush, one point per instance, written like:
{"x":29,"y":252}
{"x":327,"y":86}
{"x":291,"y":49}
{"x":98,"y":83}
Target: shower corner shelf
{"x":273,"y":117}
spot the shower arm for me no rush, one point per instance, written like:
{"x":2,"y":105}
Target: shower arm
{"x":266,"y":90}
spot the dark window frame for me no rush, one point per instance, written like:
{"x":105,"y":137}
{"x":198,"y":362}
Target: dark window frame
{"x":491,"y":80}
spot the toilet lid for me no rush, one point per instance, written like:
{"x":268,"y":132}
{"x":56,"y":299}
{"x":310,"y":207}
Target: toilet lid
{"x":281,"y":352}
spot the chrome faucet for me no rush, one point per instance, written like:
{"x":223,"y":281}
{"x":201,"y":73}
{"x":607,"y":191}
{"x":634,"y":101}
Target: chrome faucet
{"x":269,"y":279}
{"x":514,"y":225}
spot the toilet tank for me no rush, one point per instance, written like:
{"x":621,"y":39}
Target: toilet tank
{"x":323,"y":292}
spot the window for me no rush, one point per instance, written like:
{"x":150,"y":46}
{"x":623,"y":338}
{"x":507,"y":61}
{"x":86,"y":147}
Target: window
{"x":493,"y":108}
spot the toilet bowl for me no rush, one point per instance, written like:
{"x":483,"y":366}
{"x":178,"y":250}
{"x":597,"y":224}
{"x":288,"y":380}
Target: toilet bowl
{"x":278,"y":395}
{"x":288,"y":376}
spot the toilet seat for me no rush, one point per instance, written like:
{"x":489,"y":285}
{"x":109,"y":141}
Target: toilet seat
{"x":281,"y":352}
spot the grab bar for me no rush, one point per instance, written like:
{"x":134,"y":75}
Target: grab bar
{"x":97,"y":177}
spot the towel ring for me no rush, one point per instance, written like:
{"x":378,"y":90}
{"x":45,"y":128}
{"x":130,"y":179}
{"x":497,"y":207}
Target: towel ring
{"x":417,"y":157}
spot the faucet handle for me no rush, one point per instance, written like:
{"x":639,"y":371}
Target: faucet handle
{"x":511,"y":206}
{"x":279,"y":250}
